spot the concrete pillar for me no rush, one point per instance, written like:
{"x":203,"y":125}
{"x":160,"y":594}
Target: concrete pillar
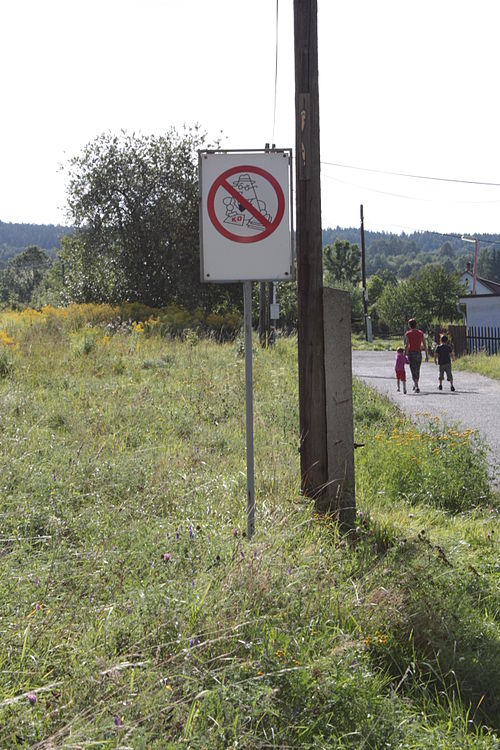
{"x":339,"y":409}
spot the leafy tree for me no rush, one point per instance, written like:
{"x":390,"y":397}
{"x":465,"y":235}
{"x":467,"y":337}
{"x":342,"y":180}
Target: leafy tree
{"x":495,"y":265}
{"x":286,"y":295}
{"x":391,"y":245}
{"x":134,"y":200}
{"x":374,"y":288}
{"x":342,"y":262}
{"x":396,"y":305}
{"x":484,"y":264}
{"x":388,"y":277}
{"x":50,"y":290}
{"x":429,"y":295}
{"x":447,"y":250}
{"x":405,"y":270}
{"x":23,"y":274}
{"x":437,"y":293}
{"x":91,"y":276}
{"x":376,"y":264}
{"x":488,"y":264}
{"x":449,"y":266}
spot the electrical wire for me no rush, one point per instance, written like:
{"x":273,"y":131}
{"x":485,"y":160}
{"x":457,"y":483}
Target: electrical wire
{"x":407,"y":197}
{"x":413,"y":176}
{"x":483,"y":241}
{"x":275,"y":71}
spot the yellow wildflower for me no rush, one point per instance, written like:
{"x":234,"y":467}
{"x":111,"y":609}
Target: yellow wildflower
{"x":4,"y":339}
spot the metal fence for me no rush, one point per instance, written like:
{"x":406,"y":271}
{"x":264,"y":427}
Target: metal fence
{"x":472,"y":339}
{"x":483,"y":338}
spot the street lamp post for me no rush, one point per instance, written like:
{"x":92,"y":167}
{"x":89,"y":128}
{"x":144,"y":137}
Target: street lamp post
{"x":474,"y":240}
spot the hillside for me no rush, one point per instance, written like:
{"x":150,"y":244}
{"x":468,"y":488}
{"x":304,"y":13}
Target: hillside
{"x":16,"y":237}
{"x":425,"y":242}
{"x":400,"y":255}
{"x":48,"y":236}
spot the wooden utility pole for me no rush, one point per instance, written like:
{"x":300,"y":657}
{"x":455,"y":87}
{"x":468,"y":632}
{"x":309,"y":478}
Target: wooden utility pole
{"x":363,"y":271}
{"x":312,"y":394}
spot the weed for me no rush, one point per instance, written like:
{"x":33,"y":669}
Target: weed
{"x":5,"y":364}
{"x":135,"y":612}
{"x":482,"y":363}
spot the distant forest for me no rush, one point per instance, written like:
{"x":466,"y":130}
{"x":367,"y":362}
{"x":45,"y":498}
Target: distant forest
{"x":398,"y":255}
{"x":402,"y":255}
{"x":14,"y":238}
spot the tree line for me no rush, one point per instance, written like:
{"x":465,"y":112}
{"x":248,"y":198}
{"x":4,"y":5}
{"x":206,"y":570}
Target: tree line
{"x":400,"y":254}
{"x":133,"y":235}
{"x":17,"y":237}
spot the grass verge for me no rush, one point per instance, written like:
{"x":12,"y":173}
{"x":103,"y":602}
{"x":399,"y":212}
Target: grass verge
{"x":482,"y":363}
{"x":137,"y":615}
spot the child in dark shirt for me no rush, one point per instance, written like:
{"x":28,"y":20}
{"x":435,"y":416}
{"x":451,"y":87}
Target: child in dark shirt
{"x":442,"y":356}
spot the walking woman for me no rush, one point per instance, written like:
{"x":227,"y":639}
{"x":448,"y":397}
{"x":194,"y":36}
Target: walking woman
{"x":414,"y":343}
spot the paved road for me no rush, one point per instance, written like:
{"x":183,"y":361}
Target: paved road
{"x":475,"y":403}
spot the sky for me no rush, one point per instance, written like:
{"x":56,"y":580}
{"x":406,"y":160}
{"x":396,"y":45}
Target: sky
{"x":405,"y":87}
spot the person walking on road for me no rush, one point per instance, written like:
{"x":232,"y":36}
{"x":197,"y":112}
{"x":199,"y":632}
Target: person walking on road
{"x":442,"y":356}
{"x":414,"y":343}
{"x":401,"y":361}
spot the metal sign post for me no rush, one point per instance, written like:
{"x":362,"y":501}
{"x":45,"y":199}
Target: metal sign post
{"x":247,"y":313}
{"x":246,"y":235}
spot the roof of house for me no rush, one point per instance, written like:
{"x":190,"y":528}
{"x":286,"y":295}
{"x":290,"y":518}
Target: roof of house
{"x":493,"y":286}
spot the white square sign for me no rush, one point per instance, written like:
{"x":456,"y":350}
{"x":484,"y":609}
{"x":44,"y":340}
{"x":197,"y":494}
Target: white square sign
{"x":245,"y":215}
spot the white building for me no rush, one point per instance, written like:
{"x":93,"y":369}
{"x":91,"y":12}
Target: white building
{"x":481,"y":313}
{"x":483,"y":307}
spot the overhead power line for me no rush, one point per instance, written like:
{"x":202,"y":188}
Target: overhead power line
{"x":275,"y":70}
{"x":412,"y":176}
{"x":406,"y":197}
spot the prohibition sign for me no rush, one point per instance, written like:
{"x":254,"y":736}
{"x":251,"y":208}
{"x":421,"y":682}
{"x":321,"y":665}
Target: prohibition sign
{"x":222,"y":183}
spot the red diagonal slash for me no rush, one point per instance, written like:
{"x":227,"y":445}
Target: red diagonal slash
{"x":245,"y":203}
{"x":268,"y":227}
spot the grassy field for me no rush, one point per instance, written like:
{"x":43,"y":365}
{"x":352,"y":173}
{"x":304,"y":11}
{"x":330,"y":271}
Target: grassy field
{"x":137,"y":615}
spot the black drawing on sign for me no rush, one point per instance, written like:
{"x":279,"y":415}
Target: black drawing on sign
{"x":237,"y":214}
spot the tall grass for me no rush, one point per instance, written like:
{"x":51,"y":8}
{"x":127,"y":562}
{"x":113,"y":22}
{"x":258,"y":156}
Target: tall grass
{"x":136,"y":614}
{"x":482,"y":363}
{"x":388,"y":343}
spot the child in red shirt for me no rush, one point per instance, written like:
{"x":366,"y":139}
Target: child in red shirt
{"x":401,"y":361}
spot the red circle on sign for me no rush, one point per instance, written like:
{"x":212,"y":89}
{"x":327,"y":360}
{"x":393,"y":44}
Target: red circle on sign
{"x":221,"y":183}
